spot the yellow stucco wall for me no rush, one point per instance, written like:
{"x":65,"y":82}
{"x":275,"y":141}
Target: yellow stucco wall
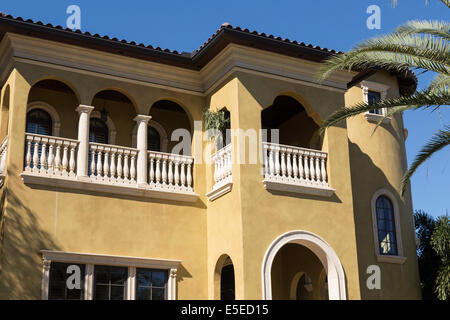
{"x":241,"y":224}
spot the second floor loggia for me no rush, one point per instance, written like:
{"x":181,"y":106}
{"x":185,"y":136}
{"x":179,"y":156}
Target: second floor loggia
{"x":109,"y":149}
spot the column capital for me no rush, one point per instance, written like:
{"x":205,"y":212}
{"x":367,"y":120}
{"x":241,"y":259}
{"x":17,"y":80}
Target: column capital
{"x":142,"y":118}
{"x":84,"y":109}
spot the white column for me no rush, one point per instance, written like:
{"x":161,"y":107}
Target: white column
{"x":141,"y":145}
{"x":83,"y":137}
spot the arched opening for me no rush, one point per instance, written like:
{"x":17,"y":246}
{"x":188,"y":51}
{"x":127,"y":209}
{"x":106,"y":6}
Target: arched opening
{"x":55,"y":101}
{"x":300,"y":264}
{"x":225,"y":279}
{"x":5,"y":114}
{"x":169,"y":117}
{"x":114,"y":113}
{"x":295,"y":128}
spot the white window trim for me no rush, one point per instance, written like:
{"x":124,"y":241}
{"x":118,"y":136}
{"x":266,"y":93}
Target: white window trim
{"x":90,"y":260}
{"x":377,"y":87}
{"x":163,"y":138}
{"x":56,"y":121}
{"x":399,"y":258}
{"x":109,"y":123}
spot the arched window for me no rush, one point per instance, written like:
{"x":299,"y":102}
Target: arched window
{"x":98,"y":131}
{"x":227,"y":290}
{"x":387,"y":238}
{"x":153,"y":139}
{"x":39,"y":122}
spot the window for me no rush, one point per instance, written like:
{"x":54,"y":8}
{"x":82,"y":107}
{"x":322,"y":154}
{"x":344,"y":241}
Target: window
{"x":386,"y":226}
{"x":110,"y":283}
{"x":58,"y":288}
{"x":104,"y":277}
{"x":98,"y":131}
{"x":227,"y":282}
{"x":153,"y":139}
{"x":39,"y":122}
{"x":151,"y":284}
{"x":373,"y":97}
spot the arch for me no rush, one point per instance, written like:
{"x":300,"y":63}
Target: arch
{"x":388,"y":194}
{"x":163,"y":139}
{"x":109,"y":123}
{"x":122,"y":92}
{"x":310,"y":112}
{"x":325,"y":253}
{"x":179,"y":103}
{"x":56,"y":121}
{"x":294,"y":285}
{"x":4,"y":120}
{"x":224,"y":261}
{"x":63,"y":81}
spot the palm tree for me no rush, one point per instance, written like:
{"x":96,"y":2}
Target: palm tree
{"x":423,"y":46}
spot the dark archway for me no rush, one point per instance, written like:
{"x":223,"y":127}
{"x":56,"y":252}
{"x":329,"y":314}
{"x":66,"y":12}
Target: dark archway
{"x":294,"y":126}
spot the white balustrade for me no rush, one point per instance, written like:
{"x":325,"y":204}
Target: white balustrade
{"x":50,"y":156}
{"x":3,"y":148}
{"x":295,"y":166}
{"x":170,"y":171}
{"x":222,"y":166}
{"x":112,"y":164}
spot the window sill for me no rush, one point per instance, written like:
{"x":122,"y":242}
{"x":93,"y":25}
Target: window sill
{"x":373,"y":117}
{"x":391,"y":259}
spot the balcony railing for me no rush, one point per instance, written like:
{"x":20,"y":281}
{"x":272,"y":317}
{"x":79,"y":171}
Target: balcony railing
{"x":294,"y":169}
{"x":52,"y":161}
{"x":3,"y":148}
{"x":223,"y":160}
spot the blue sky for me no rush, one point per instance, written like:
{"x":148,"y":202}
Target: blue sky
{"x":185,"y":25}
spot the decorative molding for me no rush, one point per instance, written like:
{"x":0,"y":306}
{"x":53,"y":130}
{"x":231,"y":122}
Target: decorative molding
{"x":163,"y":138}
{"x":373,"y":117}
{"x":382,"y":89}
{"x":134,"y":190}
{"x":391,"y":259}
{"x":219,"y":191}
{"x":56,"y":121}
{"x":398,"y":234}
{"x":323,"y":251}
{"x":273,"y":184}
{"x":90,"y":260}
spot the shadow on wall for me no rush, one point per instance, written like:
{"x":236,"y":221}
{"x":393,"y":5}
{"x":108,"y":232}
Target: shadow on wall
{"x":21,"y":242}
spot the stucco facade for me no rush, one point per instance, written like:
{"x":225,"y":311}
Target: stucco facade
{"x":187,"y":231}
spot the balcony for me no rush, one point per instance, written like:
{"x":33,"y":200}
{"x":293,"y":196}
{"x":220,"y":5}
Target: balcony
{"x":52,"y":161}
{"x":223,"y":181}
{"x":295,"y":170}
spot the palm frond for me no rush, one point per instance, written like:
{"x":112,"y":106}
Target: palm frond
{"x":420,"y":99}
{"x":389,"y":113}
{"x":438,"y":141}
{"x":434,"y":28}
{"x":440,"y":83}
{"x":446,"y":2}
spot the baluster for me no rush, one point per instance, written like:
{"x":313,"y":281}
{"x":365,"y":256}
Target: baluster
{"x":43,"y":160}
{"x":307,"y":172}
{"x":113,"y":165}
{"x":177,"y":174}
{"x":28,"y":156}
{"x":294,"y":165}
{"x":323,"y":168}
{"x":58,"y":158}
{"x":65,"y":161}
{"x":271,"y":162}
{"x":189,"y":175}
{"x":170,"y":172}
{"x":126,"y":168}
{"x":133,"y":167}
{"x":288,"y":163}
{"x":36,"y":155}
{"x":72,"y":160}
{"x":119,"y":165}
{"x":51,"y":157}
{"x":99,"y":163}
{"x":283,"y":163}
{"x":277,"y":161}
{"x":183,"y":174}
{"x":311,"y":167}
{"x":93,"y":161}
{"x":152,"y":171}
{"x":164,"y":169}
{"x":317,"y":167}
{"x":158,"y":169}
{"x":266,"y":161}
{"x":216,"y":169}
{"x":301,"y":171}
{"x":106,"y":163}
